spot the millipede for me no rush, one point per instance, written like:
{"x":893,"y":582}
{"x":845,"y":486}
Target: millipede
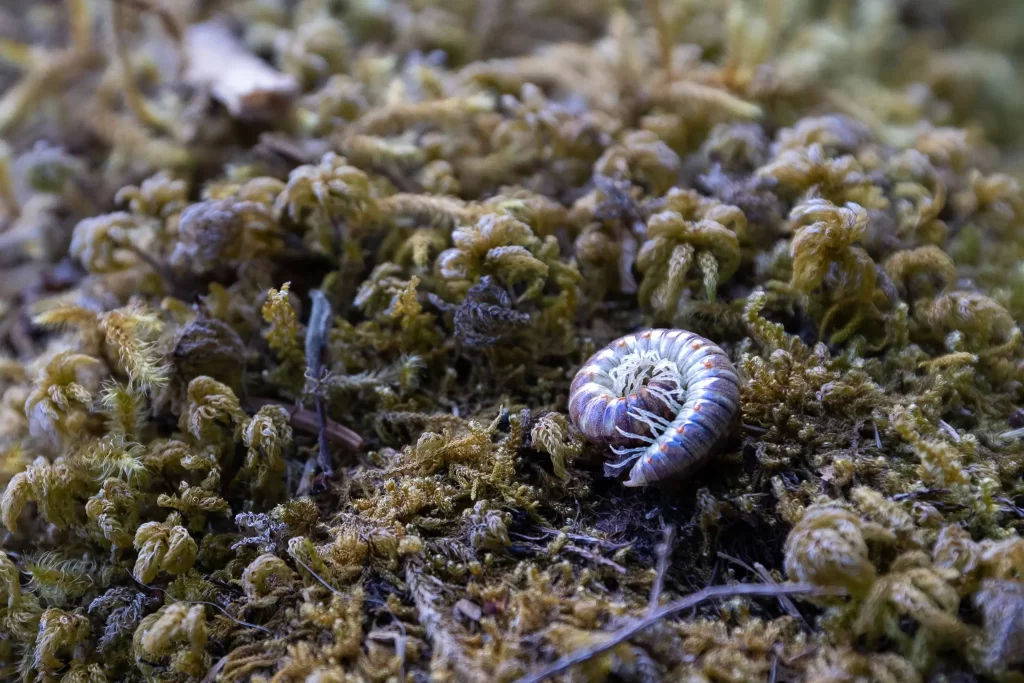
{"x":672,"y":391}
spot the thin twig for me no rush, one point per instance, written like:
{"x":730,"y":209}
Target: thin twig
{"x":202,"y":602}
{"x":949,"y":429}
{"x":1011,"y":507}
{"x":321,"y":580}
{"x":607,"y":545}
{"x":664,"y":557}
{"x":307,"y":421}
{"x":637,"y":625}
{"x":325,"y":454}
{"x":595,"y":558}
{"x":215,"y":670}
{"x":316,"y":341}
{"x":1012,"y":434}
{"x":766,"y":576}
{"x":344,"y":596}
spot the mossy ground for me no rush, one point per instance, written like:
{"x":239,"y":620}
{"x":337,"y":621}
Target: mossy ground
{"x":207,"y":477}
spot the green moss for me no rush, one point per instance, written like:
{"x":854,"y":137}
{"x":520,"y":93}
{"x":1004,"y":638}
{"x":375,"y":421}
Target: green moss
{"x":810,"y":185}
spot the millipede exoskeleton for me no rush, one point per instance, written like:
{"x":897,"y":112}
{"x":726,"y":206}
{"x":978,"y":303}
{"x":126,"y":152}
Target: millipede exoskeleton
{"x":672,"y":391}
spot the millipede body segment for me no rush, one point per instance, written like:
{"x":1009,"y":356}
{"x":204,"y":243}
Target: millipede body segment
{"x":663,"y":398}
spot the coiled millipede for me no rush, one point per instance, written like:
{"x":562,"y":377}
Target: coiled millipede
{"x":672,"y":391}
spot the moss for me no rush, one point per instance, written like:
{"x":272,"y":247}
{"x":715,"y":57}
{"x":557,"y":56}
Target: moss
{"x":204,"y":474}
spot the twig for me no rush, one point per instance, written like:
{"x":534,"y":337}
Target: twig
{"x":322,"y":581}
{"x":637,"y":625}
{"x":949,"y":429}
{"x":766,"y":576}
{"x":344,"y":596}
{"x":215,"y":670}
{"x":325,"y":453}
{"x":920,"y":493}
{"x":664,"y":557}
{"x":307,"y":421}
{"x":202,"y":602}
{"x":595,"y":558}
{"x":607,"y":545}
{"x":316,"y":341}
{"x":1011,"y":507}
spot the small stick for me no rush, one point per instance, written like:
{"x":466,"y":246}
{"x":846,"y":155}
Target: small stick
{"x":201,"y":602}
{"x":607,"y":545}
{"x":308,"y":421}
{"x":316,"y":340}
{"x":664,"y":555}
{"x":1012,"y":434}
{"x":766,"y":576}
{"x":637,"y":625}
{"x":595,"y":558}
{"x":949,"y":429}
